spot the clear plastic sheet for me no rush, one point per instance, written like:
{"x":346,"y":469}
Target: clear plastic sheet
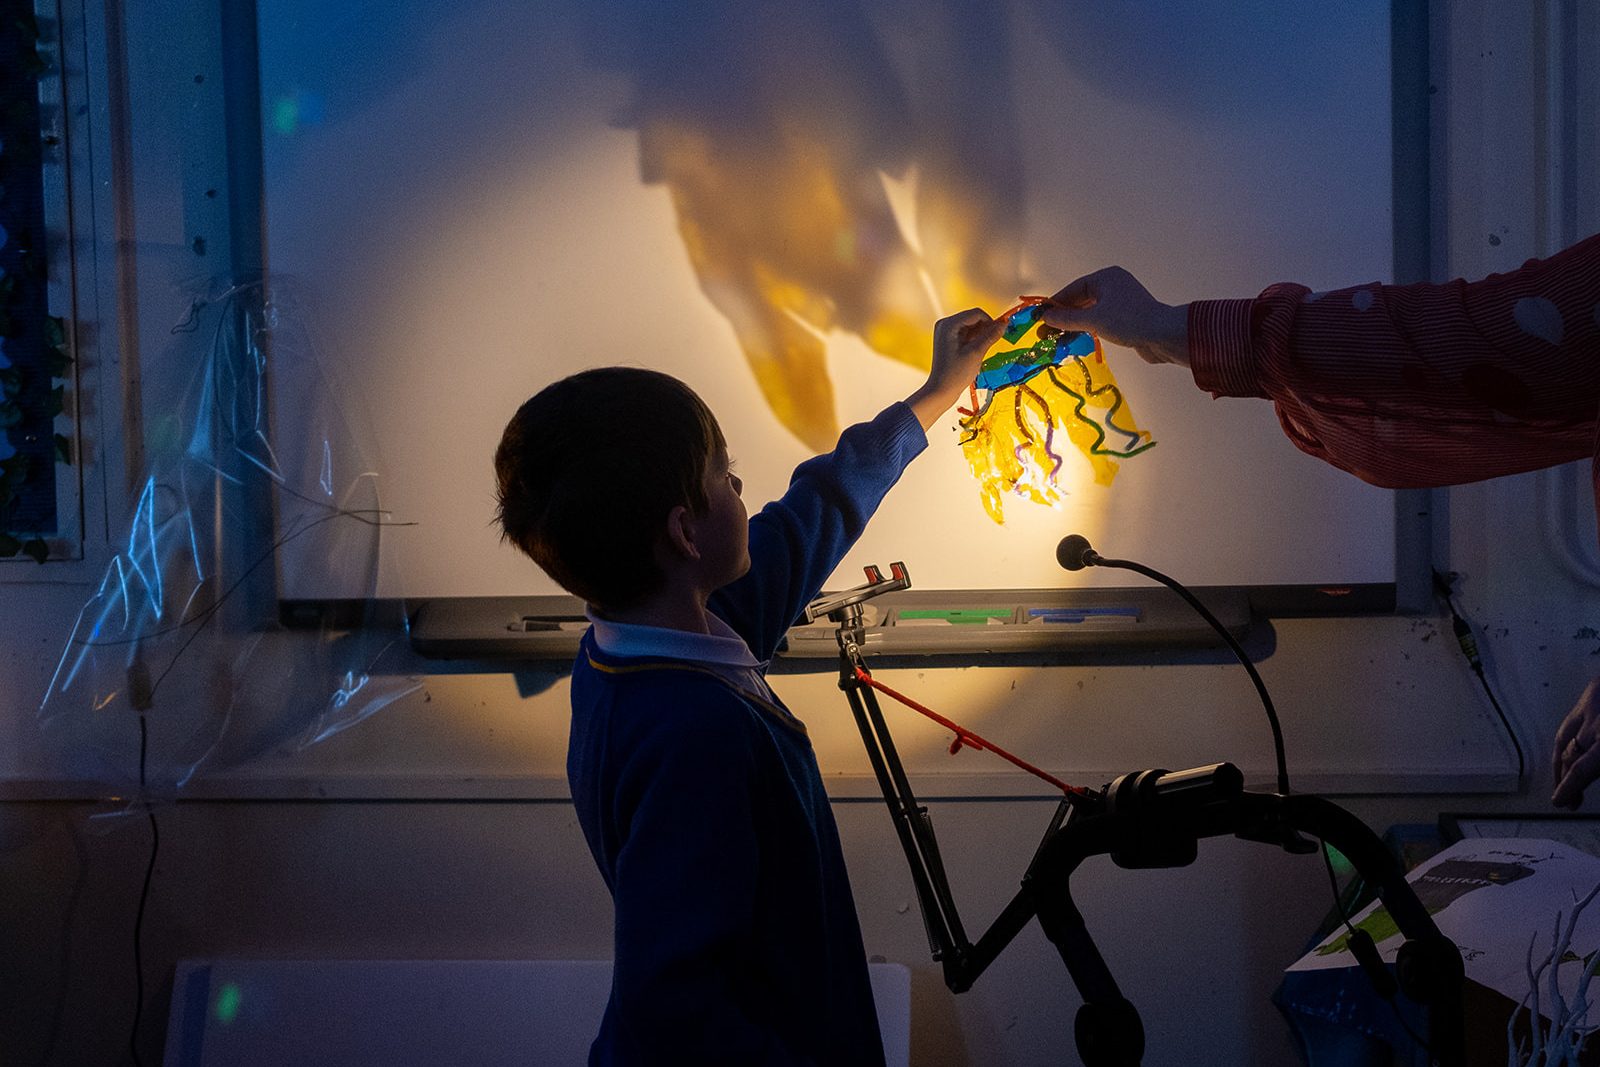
{"x":183,"y":660}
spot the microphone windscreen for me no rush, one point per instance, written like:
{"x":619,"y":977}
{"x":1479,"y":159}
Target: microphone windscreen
{"x":1071,"y":551}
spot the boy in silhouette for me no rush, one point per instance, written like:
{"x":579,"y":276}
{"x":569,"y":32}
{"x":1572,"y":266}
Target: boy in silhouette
{"x":736,"y":939}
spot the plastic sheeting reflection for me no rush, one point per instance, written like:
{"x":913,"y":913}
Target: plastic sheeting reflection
{"x":256,"y":471}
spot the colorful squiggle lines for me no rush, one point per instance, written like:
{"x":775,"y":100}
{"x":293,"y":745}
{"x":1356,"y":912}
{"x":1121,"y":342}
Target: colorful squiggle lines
{"x":1021,"y":397}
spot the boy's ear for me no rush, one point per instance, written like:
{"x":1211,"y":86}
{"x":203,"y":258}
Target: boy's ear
{"x":681,"y":532}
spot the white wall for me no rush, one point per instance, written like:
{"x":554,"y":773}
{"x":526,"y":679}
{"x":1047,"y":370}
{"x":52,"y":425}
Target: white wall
{"x":1198,"y":950}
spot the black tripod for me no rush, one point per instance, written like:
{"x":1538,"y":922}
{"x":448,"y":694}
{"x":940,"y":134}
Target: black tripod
{"x":1144,"y":819}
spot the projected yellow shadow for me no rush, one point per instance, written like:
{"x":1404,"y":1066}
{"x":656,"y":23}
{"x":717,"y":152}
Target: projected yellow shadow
{"x":791,"y":240}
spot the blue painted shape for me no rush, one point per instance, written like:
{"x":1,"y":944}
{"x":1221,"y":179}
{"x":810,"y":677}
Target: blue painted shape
{"x":1084,"y":614}
{"x":1076,"y":343}
{"x":1000,"y":371}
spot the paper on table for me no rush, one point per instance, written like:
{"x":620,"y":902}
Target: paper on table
{"x":1492,"y":897}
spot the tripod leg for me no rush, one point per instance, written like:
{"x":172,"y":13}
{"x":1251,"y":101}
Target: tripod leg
{"x":903,"y":815}
{"x":1108,"y":1030}
{"x":921,"y":825}
{"x":1432,"y":973}
{"x":1109,"y":1034}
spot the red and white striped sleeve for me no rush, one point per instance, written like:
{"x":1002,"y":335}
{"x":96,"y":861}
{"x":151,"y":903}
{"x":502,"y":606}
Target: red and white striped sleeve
{"x":1421,"y":385}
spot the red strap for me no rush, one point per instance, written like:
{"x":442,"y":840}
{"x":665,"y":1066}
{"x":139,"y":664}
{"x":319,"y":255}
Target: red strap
{"x":965,"y":736}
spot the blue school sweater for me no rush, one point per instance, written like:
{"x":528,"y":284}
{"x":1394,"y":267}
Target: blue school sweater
{"x":736,"y":938}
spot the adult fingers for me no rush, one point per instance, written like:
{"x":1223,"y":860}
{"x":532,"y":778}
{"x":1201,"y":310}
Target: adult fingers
{"x":1085,"y":292}
{"x":1084,"y":318}
{"x":1584,"y":769}
{"x":1577,"y":739}
{"x":1566,"y":737}
{"x":1089,"y":289}
{"x":1568,"y":730}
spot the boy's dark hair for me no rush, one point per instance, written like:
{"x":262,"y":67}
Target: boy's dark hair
{"x":588,"y":469}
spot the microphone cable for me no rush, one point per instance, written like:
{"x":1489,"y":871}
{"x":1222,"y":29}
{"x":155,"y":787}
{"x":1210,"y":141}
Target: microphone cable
{"x":1074,"y":553}
{"x":139,"y":695}
{"x":1444,"y":586}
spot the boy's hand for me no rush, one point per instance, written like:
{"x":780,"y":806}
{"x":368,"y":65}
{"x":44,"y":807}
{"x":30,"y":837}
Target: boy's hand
{"x":960,"y":342}
{"x":1116,"y":306}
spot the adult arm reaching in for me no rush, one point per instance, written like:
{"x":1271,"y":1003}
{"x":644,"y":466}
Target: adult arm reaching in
{"x":1404,"y":386}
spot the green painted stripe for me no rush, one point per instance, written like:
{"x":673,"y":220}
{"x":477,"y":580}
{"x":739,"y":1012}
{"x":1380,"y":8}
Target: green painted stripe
{"x":958,"y":616}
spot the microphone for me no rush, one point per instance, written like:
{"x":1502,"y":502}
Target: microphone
{"x":1074,"y":553}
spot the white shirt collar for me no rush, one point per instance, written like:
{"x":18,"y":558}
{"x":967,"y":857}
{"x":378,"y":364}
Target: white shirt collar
{"x":722,"y":646}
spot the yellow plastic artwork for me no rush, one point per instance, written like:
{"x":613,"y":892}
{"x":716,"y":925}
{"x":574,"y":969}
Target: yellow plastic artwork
{"x":1022,"y":397}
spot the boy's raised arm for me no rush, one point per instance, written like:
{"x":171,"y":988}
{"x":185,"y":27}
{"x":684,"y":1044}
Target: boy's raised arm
{"x":798,"y":540}
{"x":959,"y":344}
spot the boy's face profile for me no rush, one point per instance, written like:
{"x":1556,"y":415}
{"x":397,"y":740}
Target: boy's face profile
{"x":651,"y":510}
{"x":725,"y":543}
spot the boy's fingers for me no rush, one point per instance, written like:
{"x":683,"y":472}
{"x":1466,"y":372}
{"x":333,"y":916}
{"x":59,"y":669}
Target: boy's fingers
{"x":974,"y":325}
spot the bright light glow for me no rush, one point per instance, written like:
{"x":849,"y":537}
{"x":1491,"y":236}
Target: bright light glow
{"x":1022,"y":397}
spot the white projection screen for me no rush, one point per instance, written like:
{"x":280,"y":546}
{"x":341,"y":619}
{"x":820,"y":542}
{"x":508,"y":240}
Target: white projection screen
{"x":775,"y":201}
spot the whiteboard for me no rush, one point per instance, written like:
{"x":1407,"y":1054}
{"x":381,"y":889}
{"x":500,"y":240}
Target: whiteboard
{"x":478,"y":198}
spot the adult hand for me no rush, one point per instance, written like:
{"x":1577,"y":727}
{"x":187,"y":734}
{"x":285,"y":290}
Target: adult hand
{"x":1576,"y":760}
{"x":960,"y":342}
{"x":1114,"y":305}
